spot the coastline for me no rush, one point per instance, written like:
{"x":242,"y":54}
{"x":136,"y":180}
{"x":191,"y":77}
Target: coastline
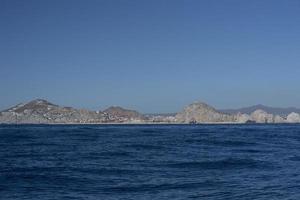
{"x":41,"y":111}
{"x":162,"y":123}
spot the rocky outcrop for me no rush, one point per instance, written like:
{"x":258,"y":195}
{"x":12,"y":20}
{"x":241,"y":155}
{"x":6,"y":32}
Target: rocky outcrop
{"x":199,"y":112}
{"x":260,"y":116}
{"x":293,"y":118}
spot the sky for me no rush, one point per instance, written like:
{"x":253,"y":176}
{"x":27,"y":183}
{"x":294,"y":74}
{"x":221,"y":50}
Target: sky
{"x":152,"y":56}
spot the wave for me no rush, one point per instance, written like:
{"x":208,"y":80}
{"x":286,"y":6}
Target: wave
{"x":144,"y":147}
{"x":161,"y":187}
{"x":225,"y":164}
{"x":108,"y":154}
{"x":225,"y":143}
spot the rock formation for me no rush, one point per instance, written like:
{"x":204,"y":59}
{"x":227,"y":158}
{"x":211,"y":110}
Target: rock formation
{"x":203,"y":113}
{"x":293,"y":118}
{"x":260,"y":116}
{"x":199,"y":112}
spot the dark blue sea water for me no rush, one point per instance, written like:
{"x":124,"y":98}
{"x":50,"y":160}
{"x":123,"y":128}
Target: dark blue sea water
{"x":150,"y":162}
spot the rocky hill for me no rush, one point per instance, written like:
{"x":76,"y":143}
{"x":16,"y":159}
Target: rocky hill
{"x":199,"y":112}
{"x":123,"y":115}
{"x":42,"y":111}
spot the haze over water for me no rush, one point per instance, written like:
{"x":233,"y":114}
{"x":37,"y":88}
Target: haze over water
{"x":150,"y":162}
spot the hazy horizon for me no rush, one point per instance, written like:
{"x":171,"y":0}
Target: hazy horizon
{"x":151,"y":56}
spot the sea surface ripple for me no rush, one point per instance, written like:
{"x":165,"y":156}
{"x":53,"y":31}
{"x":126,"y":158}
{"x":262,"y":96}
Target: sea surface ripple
{"x":111,"y":162}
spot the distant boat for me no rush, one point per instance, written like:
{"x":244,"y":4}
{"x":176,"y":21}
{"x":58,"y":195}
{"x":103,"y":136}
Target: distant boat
{"x":250,"y":122}
{"x":193,"y":121}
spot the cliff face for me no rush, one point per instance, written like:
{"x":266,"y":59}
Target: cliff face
{"x":202,"y":113}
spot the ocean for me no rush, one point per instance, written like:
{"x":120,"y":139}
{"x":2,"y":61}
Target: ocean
{"x":211,"y":162}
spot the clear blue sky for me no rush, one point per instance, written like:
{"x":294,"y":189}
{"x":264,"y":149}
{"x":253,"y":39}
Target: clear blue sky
{"x":153,"y":56}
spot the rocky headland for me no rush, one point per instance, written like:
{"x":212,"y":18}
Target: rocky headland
{"x":41,"y":111}
{"x":200,"y":112}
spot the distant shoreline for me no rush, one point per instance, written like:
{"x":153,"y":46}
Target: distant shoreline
{"x":40,"y":111}
{"x":189,"y":124}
